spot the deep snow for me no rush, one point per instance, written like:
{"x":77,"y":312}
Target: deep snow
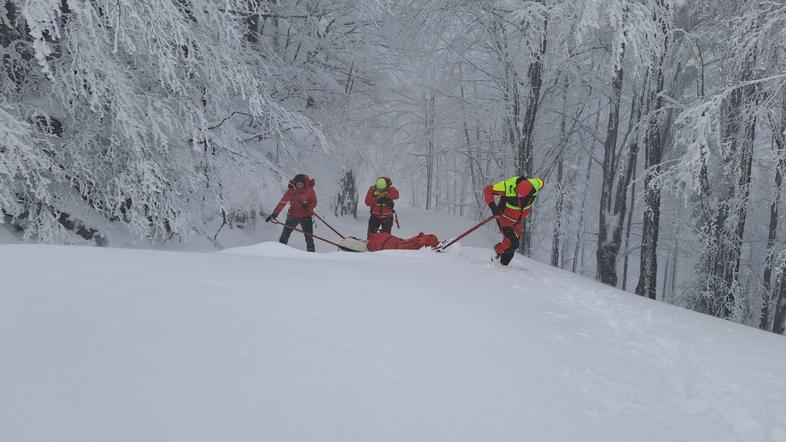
{"x":268,"y":343}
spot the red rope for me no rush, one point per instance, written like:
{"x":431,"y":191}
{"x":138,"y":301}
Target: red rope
{"x":329,"y":226}
{"x":306,"y":233}
{"x":477,"y":226}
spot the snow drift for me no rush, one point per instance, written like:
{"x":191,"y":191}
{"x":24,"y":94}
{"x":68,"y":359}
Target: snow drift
{"x":268,"y":343}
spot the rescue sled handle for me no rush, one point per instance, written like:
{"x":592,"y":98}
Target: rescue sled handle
{"x":329,"y":226}
{"x":306,"y":233}
{"x":463,"y":235}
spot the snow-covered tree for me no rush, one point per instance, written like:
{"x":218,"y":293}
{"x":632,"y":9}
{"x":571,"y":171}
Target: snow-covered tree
{"x":151,"y":100}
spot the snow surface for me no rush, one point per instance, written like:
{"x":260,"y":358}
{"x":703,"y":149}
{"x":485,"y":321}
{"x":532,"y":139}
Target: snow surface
{"x":6,"y":236}
{"x":269,"y":343}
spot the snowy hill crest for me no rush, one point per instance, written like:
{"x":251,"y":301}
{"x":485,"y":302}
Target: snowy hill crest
{"x":270,"y":343}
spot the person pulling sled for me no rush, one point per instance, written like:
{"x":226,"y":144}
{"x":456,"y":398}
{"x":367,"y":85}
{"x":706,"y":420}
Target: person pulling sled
{"x":515,"y":197}
{"x":302,"y":201}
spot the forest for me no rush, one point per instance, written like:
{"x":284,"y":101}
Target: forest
{"x":658,"y":126}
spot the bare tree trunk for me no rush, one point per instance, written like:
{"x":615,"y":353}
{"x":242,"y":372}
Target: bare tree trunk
{"x":674,"y":257}
{"x":510,"y":91}
{"x":560,"y":188}
{"x":651,"y":226}
{"x":744,"y":186}
{"x":779,"y":320}
{"x":276,"y":29}
{"x":654,"y":155}
{"x":253,"y":25}
{"x":664,"y":293}
{"x":475,"y":184}
{"x":524,"y":151}
{"x":627,"y":229}
{"x":555,"y":241}
{"x":724,"y":215}
{"x":429,"y":148}
{"x":525,"y":148}
{"x":670,"y":272}
{"x":764,"y":323}
{"x":738,"y":152}
{"x":580,"y":227}
{"x":606,"y":257}
{"x":436,"y":176}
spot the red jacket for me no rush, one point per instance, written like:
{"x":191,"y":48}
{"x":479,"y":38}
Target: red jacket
{"x":379,"y":210}
{"x":509,"y":215}
{"x":297,"y":198}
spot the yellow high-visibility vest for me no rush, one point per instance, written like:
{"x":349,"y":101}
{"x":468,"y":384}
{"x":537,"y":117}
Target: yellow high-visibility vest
{"x":509,"y":187}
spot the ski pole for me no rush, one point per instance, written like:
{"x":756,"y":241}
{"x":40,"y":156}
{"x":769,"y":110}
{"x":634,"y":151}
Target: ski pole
{"x":329,"y":226}
{"x":306,"y":233}
{"x":477,"y":226}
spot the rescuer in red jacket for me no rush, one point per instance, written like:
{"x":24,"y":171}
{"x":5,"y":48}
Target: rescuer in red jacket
{"x":516,"y":196}
{"x":380,"y":199}
{"x":302,"y":200}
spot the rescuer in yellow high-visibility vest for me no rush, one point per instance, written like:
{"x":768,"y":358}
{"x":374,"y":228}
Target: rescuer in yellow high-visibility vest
{"x":516,"y":196}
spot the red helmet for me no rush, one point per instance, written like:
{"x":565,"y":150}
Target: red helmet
{"x":525,"y":186}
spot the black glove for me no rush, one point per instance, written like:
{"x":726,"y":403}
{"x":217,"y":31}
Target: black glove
{"x":304,"y":204}
{"x":385,"y":201}
{"x":271,"y":217}
{"x":495,"y":209}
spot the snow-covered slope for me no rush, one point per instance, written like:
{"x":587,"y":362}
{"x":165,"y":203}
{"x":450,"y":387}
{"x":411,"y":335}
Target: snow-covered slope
{"x":267,"y":343}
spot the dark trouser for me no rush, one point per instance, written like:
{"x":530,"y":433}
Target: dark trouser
{"x":375,"y":224}
{"x":511,"y":224}
{"x":512,"y":238}
{"x":306,"y":224}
